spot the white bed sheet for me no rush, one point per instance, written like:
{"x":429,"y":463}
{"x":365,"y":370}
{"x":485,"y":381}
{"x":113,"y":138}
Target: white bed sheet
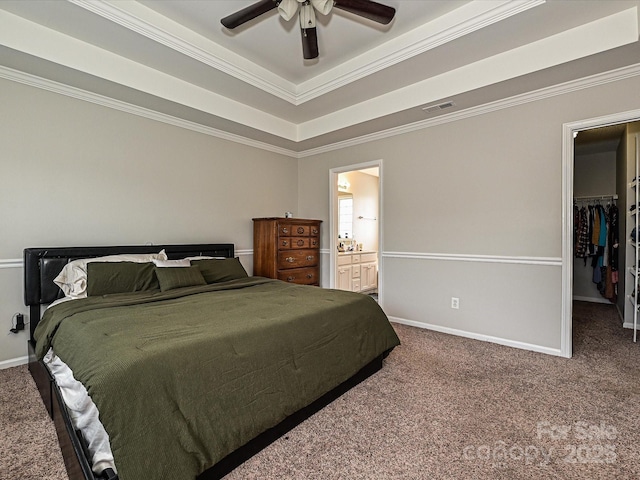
{"x":82,"y":410}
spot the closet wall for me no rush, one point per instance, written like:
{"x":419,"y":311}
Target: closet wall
{"x":623,"y":178}
{"x":628,"y":151}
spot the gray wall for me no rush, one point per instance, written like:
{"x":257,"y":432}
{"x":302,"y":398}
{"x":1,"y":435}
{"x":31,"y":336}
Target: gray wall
{"x":74,"y":173}
{"x":472,"y":209}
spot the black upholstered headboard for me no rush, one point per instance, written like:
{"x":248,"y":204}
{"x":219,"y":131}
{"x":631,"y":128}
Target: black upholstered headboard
{"x":42,"y":265}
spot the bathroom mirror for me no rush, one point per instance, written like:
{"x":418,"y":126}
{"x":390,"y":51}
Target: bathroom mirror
{"x":345,"y":215}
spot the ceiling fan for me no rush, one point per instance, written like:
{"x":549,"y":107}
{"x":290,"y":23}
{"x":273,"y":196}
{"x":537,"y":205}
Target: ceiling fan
{"x":306,"y":13}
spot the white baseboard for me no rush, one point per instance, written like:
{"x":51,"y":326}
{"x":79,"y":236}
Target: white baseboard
{"x":478,"y":336}
{"x":14,"y":362}
{"x":592,"y":299}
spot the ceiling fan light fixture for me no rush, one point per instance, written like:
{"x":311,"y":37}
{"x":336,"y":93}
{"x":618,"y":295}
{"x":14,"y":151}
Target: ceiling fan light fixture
{"x":306,"y":9}
{"x":287,"y":9}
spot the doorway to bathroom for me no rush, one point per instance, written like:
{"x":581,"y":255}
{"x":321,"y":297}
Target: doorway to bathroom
{"x":356,"y":228}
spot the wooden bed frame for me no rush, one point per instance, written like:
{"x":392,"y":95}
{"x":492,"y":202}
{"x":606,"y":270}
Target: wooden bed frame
{"x":42,"y":265}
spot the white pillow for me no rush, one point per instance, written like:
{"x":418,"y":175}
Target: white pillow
{"x":72,"y":280}
{"x":172,"y":263}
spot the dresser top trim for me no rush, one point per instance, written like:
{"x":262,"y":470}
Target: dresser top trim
{"x":288,"y":219}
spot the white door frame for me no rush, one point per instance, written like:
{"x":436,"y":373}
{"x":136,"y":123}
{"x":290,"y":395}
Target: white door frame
{"x":568,"y":131}
{"x":333,"y":216}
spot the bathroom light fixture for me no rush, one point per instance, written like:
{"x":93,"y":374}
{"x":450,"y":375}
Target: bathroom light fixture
{"x":343,"y":185}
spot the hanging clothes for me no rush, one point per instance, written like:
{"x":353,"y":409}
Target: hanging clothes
{"x":614,"y":240}
{"x":596,"y":236}
{"x":581,"y":234}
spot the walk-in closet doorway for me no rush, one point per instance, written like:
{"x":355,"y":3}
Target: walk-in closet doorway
{"x":599,"y":173}
{"x":598,"y":194}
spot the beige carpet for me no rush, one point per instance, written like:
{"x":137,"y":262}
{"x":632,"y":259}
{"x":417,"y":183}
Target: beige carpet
{"x":443,"y":407}
{"x":28,"y":442}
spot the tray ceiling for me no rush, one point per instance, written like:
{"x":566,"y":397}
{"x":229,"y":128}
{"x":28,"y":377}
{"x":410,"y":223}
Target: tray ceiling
{"x":174,"y":59}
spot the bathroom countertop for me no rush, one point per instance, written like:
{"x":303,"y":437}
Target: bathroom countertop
{"x":360,"y":252}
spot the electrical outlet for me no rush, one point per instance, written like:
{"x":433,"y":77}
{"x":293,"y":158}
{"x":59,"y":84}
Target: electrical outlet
{"x":455,"y":302}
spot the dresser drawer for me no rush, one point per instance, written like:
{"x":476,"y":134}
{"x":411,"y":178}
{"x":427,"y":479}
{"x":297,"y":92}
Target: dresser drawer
{"x":297,"y":258}
{"x":302,"y":276}
{"x":287,"y":243}
{"x":290,"y":230}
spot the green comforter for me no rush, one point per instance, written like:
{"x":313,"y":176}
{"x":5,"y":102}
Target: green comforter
{"x":183,"y":378}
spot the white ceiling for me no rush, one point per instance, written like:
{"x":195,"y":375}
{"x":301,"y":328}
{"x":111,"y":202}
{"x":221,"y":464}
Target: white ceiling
{"x":173,"y":59}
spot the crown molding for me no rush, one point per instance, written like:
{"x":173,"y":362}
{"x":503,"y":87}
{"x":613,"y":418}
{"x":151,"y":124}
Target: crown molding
{"x":97,"y":99}
{"x":262,"y":79}
{"x":428,"y":41}
{"x":567,"y":87}
{"x":541,"y":94}
{"x":404,"y":48}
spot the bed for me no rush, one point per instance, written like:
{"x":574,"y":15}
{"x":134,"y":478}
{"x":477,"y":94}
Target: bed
{"x":192,"y":379}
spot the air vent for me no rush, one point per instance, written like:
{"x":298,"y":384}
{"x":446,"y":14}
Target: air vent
{"x":437,"y":108}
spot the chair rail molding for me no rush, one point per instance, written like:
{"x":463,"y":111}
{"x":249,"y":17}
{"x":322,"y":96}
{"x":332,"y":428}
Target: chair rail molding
{"x":462,"y":257}
{"x":11,"y":263}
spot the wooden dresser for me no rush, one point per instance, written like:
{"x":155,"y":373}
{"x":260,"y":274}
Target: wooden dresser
{"x":287,"y":249}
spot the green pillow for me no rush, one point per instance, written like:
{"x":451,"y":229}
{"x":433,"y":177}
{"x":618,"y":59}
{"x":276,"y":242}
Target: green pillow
{"x":221,"y":270}
{"x":104,"y":278}
{"x":178,"y":277}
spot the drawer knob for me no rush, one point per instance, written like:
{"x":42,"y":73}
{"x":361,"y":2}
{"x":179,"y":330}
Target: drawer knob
{"x":290,"y":279}
{"x":285,"y":243}
{"x":290,"y":259}
{"x":315,"y":231}
{"x":300,"y":230}
{"x":310,"y":257}
{"x":309,"y":275}
{"x":285,"y":230}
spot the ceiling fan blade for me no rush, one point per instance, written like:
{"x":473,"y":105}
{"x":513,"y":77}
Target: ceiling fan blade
{"x":368,"y":9}
{"x":309,"y":43}
{"x":249,"y":13}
